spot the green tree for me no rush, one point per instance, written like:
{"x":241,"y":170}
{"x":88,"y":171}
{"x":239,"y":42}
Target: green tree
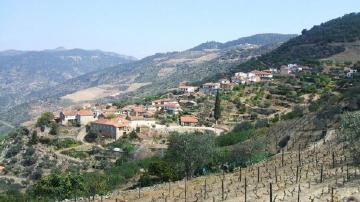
{"x":45,"y":119}
{"x":54,"y":129}
{"x":190,"y":151}
{"x":217,"y":110}
{"x":96,"y":184}
{"x":58,"y":186}
{"x":34,"y":138}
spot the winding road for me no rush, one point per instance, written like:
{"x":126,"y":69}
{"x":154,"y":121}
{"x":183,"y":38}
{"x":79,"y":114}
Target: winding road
{"x":6,"y":124}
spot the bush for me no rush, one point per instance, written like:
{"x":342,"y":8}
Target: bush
{"x":243,"y":126}
{"x":65,"y":143}
{"x":163,"y":170}
{"x":284,"y":141}
{"x":37,"y":174}
{"x":91,"y":136}
{"x":233,"y":137}
{"x":262,"y":123}
{"x":29,"y":160}
{"x":13,"y":151}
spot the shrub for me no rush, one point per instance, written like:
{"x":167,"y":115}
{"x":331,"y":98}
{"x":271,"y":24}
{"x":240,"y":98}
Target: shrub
{"x":54,"y":129}
{"x":91,"y":136}
{"x":233,"y":137}
{"x":283,"y":141}
{"x":13,"y":151}
{"x":65,"y":143}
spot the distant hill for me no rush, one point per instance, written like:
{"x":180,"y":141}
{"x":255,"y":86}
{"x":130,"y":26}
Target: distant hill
{"x":321,"y":41}
{"x":258,"y":39}
{"x":24,"y":72}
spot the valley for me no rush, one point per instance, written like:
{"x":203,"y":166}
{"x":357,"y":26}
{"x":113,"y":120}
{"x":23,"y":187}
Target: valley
{"x":269,"y":117}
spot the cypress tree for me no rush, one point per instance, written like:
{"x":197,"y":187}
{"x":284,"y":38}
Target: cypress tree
{"x":217,"y":110}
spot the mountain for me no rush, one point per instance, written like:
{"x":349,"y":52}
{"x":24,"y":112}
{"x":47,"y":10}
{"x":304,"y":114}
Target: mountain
{"x":337,"y":36}
{"x":164,"y":71}
{"x":24,"y":72}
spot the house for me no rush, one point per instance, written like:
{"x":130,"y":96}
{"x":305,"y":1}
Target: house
{"x":264,"y":75}
{"x":187,"y":89}
{"x":136,"y":122}
{"x":111,"y":128}
{"x":351,"y":73}
{"x":210,"y":88}
{"x":138,"y":111}
{"x":172,"y":108}
{"x":240,"y":74}
{"x":161,"y":102}
{"x":245,"y":78}
{"x":224,"y":81}
{"x":285,"y":70}
{"x":188,"y":120}
{"x":85,"y":116}
{"x":68,"y":117}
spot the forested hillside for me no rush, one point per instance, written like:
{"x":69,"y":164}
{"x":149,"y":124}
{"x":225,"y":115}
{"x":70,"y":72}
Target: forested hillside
{"x":319,"y":42}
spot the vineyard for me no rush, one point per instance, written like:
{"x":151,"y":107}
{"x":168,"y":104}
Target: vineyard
{"x":321,"y":171}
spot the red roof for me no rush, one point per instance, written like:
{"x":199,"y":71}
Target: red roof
{"x":260,"y":72}
{"x":85,"y":112}
{"x":116,"y":122}
{"x":139,"y":109}
{"x":188,"y":119}
{"x":69,"y":112}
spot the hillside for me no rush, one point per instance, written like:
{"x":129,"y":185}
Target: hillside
{"x":321,"y":41}
{"x":47,"y":68}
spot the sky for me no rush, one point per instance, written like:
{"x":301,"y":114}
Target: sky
{"x":143,"y":27}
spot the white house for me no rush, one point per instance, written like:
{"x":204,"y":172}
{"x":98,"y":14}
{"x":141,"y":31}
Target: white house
{"x":111,"y":128}
{"x":85,"y":116}
{"x":172,"y":108}
{"x":264,"y":75}
{"x":68,"y":117}
{"x":210,"y":88}
{"x":351,"y":73}
{"x":188,"y":89}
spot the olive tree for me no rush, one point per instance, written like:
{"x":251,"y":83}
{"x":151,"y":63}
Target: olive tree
{"x":190,"y":151}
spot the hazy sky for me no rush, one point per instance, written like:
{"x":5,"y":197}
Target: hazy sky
{"x":144,"y":27}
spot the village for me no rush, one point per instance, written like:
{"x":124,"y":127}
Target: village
{"x":113,"y":122}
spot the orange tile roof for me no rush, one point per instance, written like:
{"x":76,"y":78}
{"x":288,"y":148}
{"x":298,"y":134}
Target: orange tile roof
{"x":116,"y":122}
{"x":85,"y":112}
{"x":188,"y":119}
{"x":69,"y":112}
{"x":260,"y":72}
{"x":139,"y":109}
